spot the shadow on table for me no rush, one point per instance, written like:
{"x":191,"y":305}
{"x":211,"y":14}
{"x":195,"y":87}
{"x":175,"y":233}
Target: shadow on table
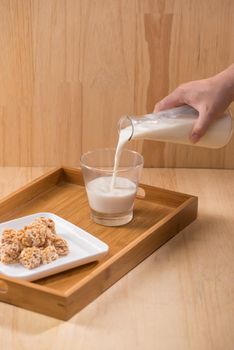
{"x":24,"y":321}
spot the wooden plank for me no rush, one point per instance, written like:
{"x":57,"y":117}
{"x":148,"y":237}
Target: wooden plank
{"x":70,"y":69}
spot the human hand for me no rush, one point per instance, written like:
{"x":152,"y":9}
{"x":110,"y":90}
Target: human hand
{"x":210,"y":97}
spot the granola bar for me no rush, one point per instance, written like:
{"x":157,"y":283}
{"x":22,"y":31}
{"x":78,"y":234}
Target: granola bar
{"x":34,"y":235}
{"x":30,"y":257}
{"x":61,"y":246}
{"x":49,"y":254}
{"x":9,"y":252}
{"x":9,"y":236}
{"x":49,"y":223}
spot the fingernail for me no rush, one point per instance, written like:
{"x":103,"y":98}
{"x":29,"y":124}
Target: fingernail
{"x":194,"y":137}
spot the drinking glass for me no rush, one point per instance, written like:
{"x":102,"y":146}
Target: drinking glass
{"x":111,"y":205}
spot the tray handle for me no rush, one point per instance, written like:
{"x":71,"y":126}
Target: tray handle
{"x":140,"y":193}
{"x":3,"y":287}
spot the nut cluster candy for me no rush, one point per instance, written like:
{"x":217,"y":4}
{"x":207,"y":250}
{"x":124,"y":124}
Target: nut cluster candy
{"x":30,"y":257}
{"x":38,"y":243}
{"x":10,"y":252}
{"x":49,"y":254}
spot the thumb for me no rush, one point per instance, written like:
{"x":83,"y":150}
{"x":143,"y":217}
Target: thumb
{"x":200,"y":127}
{"x":174,"y":99}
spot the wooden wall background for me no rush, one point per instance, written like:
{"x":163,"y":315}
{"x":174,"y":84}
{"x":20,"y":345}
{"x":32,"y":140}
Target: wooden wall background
{"x":70,"y":68}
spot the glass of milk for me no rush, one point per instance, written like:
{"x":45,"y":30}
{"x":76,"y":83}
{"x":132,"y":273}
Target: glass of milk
{"x":111,"y":191}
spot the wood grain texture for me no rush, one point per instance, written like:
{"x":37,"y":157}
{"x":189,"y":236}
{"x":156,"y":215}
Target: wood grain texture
{"x":63,"y":295}
{"x":187,"y":284}
{"x":70,"y":68}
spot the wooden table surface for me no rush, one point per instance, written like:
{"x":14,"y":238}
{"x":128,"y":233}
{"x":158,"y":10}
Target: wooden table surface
{"x":181,"y":297}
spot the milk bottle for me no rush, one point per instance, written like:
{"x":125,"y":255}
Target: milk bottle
{"x":175,"y":125}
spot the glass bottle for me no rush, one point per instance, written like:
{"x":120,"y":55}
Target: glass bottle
{"x":175,"y":125}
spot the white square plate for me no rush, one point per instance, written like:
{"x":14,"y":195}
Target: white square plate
{"x":83,"y":248}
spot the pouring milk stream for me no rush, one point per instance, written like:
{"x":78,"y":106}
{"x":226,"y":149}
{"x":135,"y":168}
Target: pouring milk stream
{"x":172,"y":125}
{"x":114,"y":194}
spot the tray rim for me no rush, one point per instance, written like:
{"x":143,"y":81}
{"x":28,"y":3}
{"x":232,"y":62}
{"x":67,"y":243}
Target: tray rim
{"x":60,"y":173}
{"x":29,"y":184}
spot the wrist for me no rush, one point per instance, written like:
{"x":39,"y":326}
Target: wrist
{"x":225,"y":80}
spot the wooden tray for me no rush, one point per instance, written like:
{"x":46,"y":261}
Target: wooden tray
{"x":157,"y":218}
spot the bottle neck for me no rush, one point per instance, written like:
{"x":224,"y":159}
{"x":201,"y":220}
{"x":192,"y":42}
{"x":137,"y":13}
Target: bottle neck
{"x":126,"y":123}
